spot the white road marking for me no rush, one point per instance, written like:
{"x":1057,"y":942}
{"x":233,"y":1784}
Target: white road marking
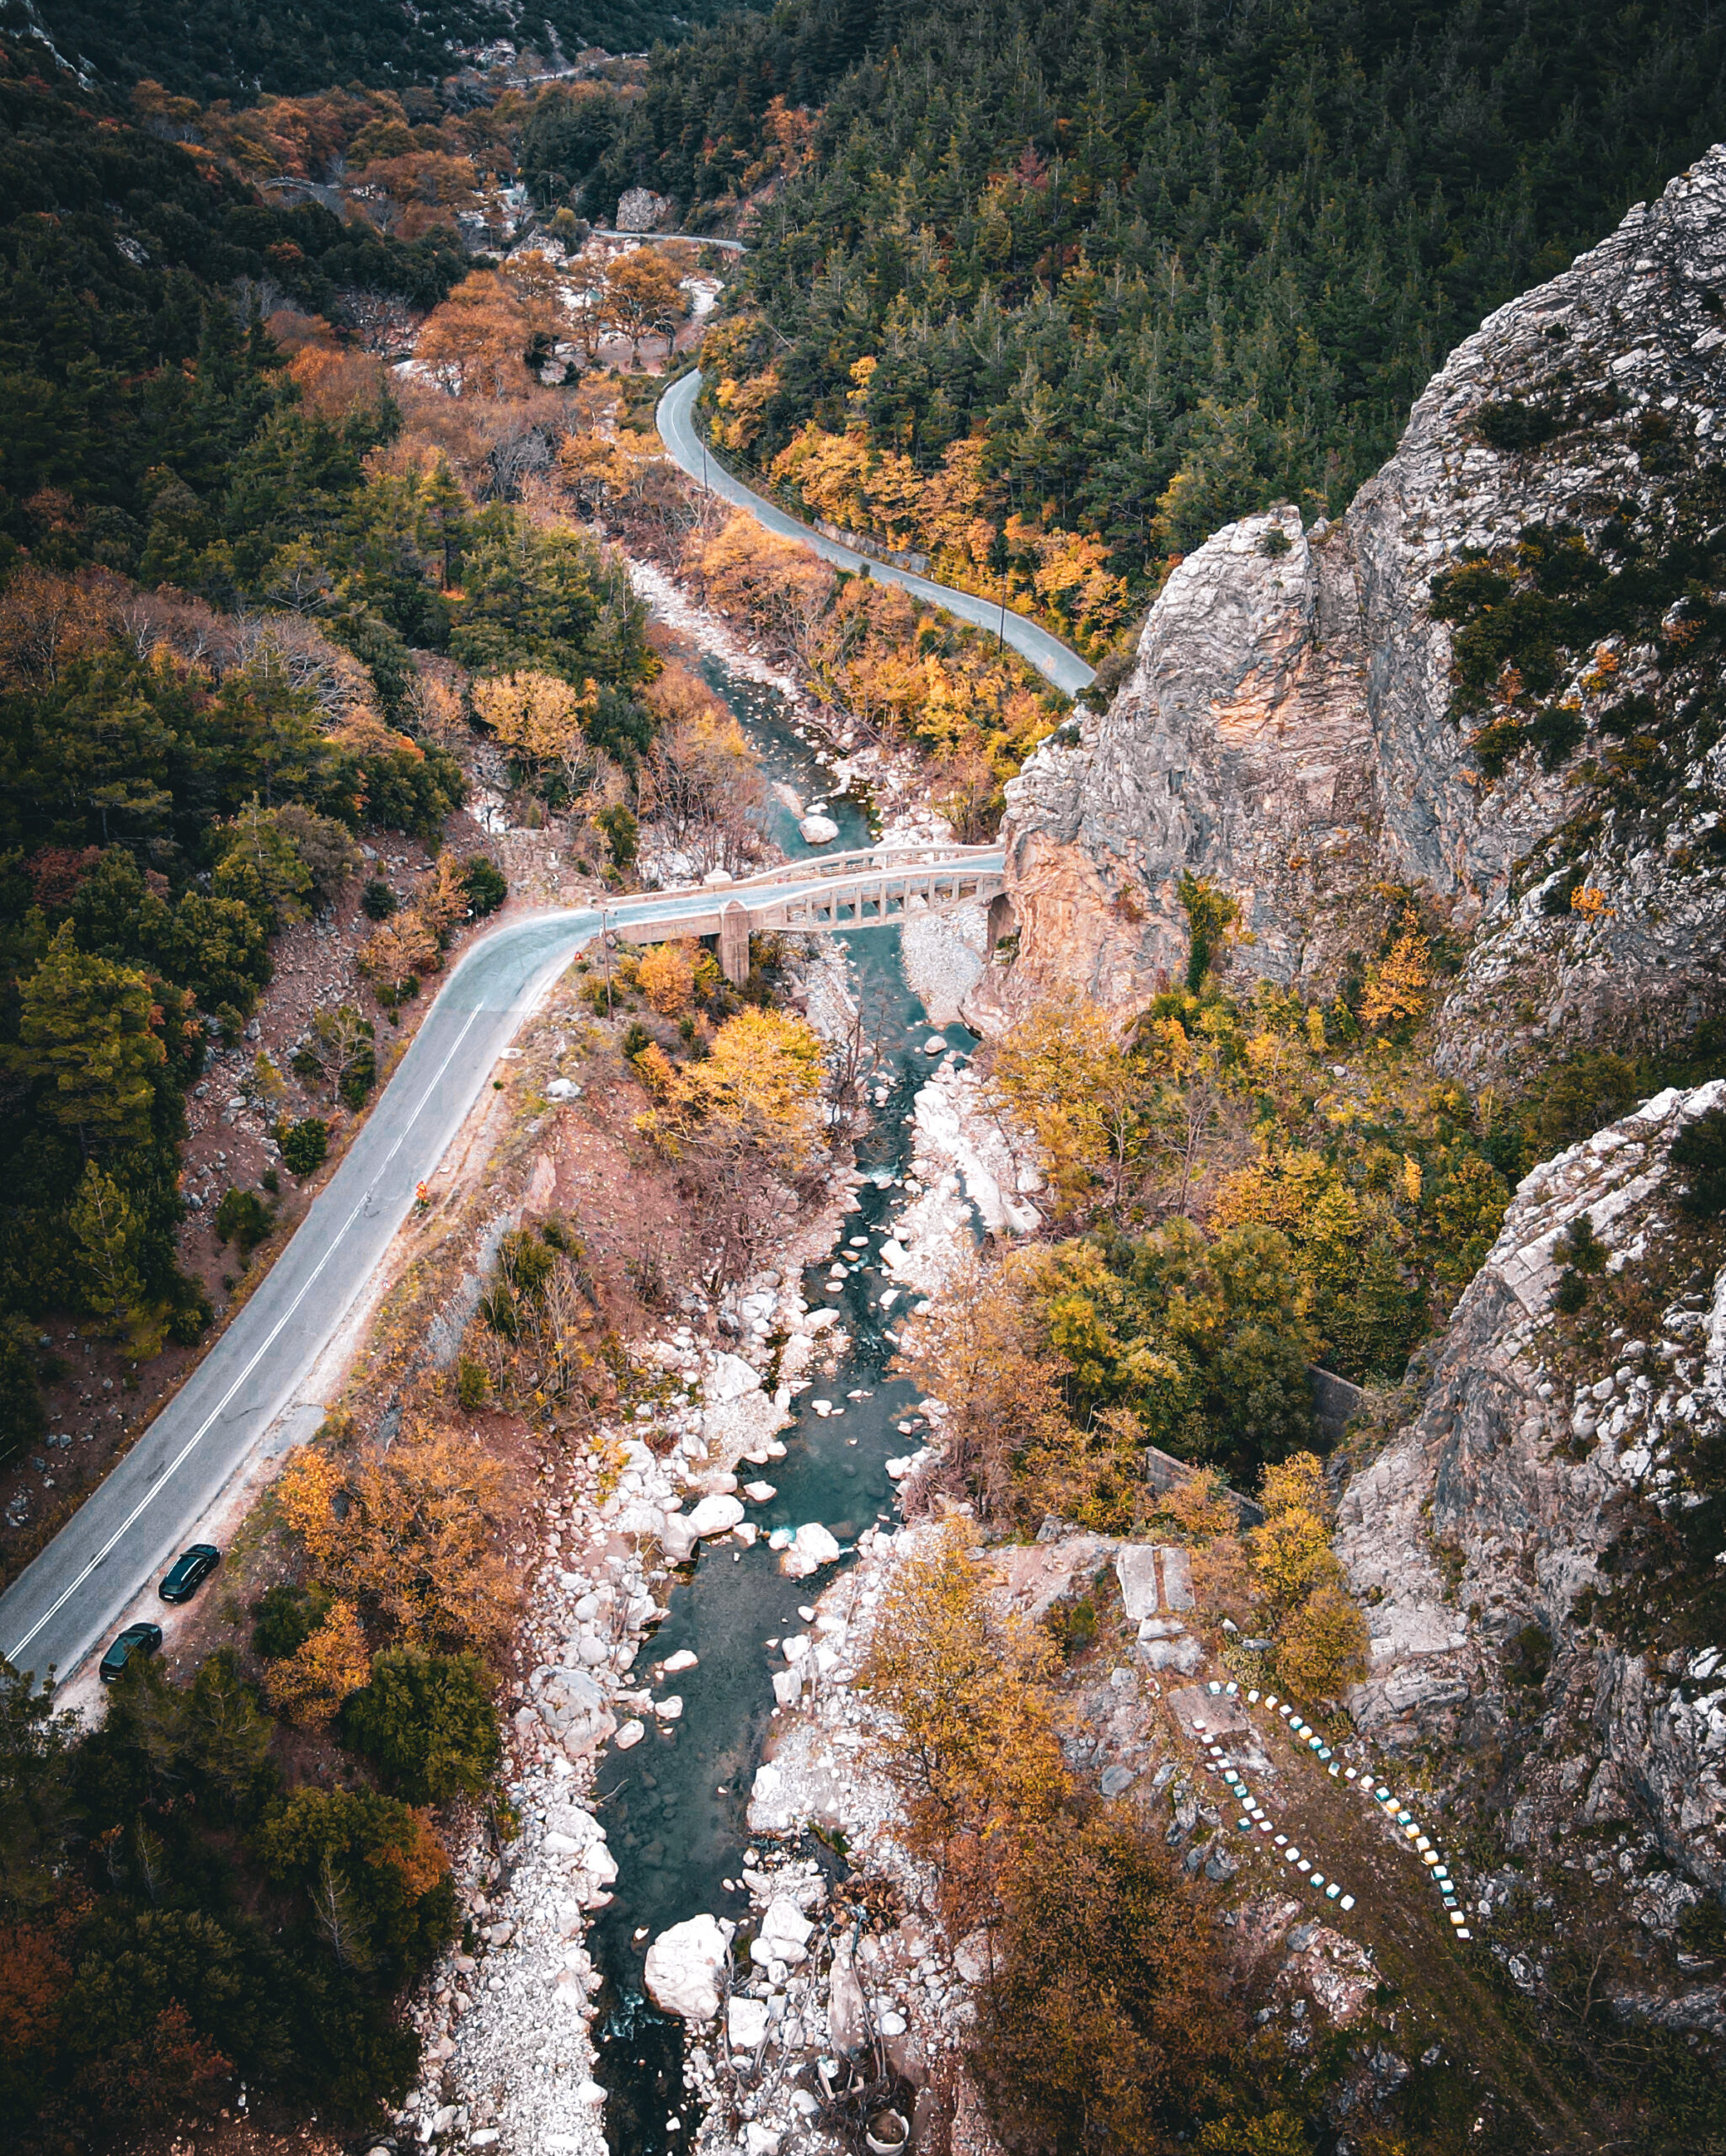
{"x":192,"y":1442}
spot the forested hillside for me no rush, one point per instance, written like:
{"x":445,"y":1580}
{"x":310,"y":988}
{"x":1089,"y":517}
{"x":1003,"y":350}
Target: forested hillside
{"x":229,"y":50}
{"x":1058,"y":289}
{"x":226,"y":569}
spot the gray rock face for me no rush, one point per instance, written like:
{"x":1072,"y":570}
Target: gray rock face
{"x":639,"y":210}
{"x":1287,"y":728}
{"x":1533,"y":1451}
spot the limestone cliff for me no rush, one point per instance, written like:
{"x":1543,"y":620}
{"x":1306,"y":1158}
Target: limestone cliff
{"x":1536,"y":1539}
{"x":1302,"y":727}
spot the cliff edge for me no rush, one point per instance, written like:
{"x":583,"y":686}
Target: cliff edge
{"x":1493,"y":685}
{"x":1535,"y":1539}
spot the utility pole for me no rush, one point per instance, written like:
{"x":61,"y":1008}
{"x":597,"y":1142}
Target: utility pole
{"x":605,"y":941}
{"x":1000,"y":627}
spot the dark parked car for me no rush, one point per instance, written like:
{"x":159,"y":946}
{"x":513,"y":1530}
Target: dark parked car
{"x":139,"y":1639}
{"x":190,"y":1571}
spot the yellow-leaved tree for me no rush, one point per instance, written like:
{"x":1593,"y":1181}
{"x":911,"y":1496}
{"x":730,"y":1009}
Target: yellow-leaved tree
{"x":666,"y":973}
{"x":1398,"y":990}
{"x":741,"y":1125}
{"x":310,"y":1685}
{"x":982,"y":1349}
{"x":542,"y":718}
{"x":1061,"y":1080}
{"x":1321,"y":1637}
{"x":760,"y":1087}
{"x":973,"y":1746}
{"x":411,"y":1536}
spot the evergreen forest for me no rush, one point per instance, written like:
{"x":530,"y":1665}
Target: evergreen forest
{"x":229,"y":50}
{"x":1053,"y":292}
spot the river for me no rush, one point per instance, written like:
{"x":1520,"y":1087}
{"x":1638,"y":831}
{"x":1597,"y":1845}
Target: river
{"x":675,"y":1808}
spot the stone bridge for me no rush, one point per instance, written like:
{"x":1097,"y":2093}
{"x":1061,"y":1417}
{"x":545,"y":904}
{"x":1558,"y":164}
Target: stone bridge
{"x":872,"y":886}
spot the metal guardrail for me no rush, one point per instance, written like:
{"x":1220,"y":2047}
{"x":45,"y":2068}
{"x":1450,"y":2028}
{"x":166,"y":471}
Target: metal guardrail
{"x":858,"y":860}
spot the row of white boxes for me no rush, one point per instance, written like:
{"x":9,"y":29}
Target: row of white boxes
{"x":1254,"y":1818}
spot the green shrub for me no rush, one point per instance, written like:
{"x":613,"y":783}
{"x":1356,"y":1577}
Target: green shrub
{"x":190,"y":1316}
{"x":284,"y":1618}
{"x":487,"y":888}
{"x":359,"y":1076}
{"x":304,"y":1145}
{"x":1512,"y":426}
{"x":377,"y":902}
{"x":472,"y":1384}
{"x":1072,"y":1626}
{"x":427,"y":1724}
{"x":1576,"y":1098}
{"x":1582,"y":1247}
{"x":1556,"y":731}
{"x":1494,"y":745}
{"x":1530,"y":1657}
{"x":243,"y":1220}
{"x":1700,"y":1148}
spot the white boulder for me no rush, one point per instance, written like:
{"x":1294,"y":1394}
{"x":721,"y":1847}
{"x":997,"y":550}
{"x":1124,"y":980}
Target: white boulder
{"x":715,"y":1515}
{"x":746,"y":2022}
{"x":785,"y":1930}
{"x":683,"y":1967}
{"x":818,"y":830}
{"x":811,"y":1548}
{"x":728,"y":1379}
{"x":677,"y":1538}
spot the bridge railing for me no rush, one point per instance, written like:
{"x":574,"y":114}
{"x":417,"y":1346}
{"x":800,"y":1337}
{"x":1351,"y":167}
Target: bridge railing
{"x":860,"y":860}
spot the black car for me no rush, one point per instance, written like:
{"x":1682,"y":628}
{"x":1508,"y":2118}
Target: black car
{"x":190,"y":1571}
{"x":139,"y":1639}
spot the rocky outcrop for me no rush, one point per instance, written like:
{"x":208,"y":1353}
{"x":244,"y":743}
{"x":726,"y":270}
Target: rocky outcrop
{"x":1520,"y":1543}
{"x":1296,"y":727}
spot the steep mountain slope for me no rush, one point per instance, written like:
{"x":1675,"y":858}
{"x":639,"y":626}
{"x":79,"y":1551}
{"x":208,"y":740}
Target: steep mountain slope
{"x":1537,"y":1546}
{"x":226,"y":49}
{"x":1493,"y":685}
{"x":1157,"y":263}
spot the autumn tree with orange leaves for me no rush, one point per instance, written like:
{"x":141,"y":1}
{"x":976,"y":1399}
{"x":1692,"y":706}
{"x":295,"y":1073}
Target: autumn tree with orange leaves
{"x":410,"y":1537}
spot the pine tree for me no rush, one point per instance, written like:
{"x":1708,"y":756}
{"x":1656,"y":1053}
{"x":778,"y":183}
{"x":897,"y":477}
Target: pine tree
{"x":87,"y":1039}
{"x":105,"y":1232}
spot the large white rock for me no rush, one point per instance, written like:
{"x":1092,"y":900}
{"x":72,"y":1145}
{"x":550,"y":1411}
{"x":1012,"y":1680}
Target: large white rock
{"x":716,"y":1515}
{"x":573,"y":1708}
{"x":785,"y":1930}
{"x":811,"y":1548}
{"x":1135,"y":1568}
{"x":729,"y":1378}
{"x":677,"y":1538}
{"x":1183,"y":1656}
{"x":683,"y":1965}
{"x":746,"y":2022}
{"x":818,"y":830}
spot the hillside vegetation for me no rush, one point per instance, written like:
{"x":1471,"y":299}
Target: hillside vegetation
{"x":1053,"y":291}
{"x":227,"y":50}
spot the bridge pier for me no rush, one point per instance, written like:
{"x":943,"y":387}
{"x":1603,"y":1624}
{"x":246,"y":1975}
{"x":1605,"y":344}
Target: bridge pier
{"x":733,"y":942}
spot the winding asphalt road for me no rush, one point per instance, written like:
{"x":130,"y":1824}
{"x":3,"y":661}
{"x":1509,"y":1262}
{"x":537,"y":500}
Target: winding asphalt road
{"x":675,"y":419}
{"x":132,"y":1526}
